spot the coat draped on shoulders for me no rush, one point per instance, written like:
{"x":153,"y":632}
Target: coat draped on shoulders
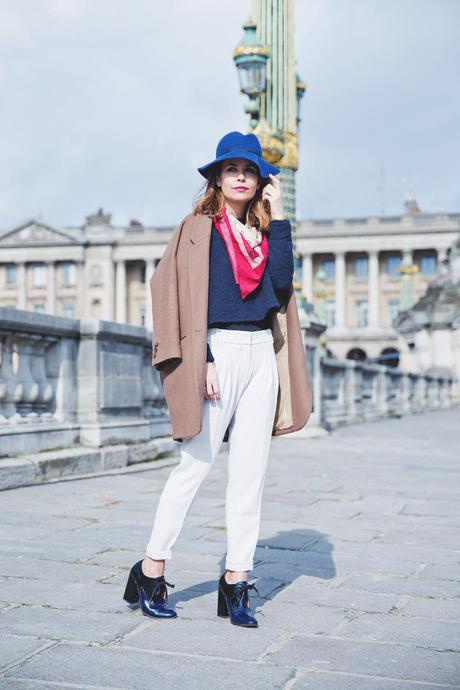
{"x":179,"y":290}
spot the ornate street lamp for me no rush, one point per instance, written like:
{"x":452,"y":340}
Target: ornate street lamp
{"x":250,"y":58}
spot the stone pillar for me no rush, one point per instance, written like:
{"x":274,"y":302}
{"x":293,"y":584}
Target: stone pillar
{"x":120,"y":291}
{"x":149,"y":269}
{"x":307,"y":276}
{"x":21,"y":285}
{"x":340,"y":290}
{"x":51,"y":289}
{"x":374,"y":290}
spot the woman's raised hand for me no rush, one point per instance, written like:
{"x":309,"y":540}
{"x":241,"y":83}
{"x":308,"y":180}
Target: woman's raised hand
{"x":211,"y":389}
{"x":272,"y":193}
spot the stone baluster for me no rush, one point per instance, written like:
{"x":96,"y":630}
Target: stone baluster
{"x":30,"y":388}
{"x":13,"y":388}
{"x":38,"y":372}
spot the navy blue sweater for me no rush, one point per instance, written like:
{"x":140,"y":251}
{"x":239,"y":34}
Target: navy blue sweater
{"x":226,"y":307}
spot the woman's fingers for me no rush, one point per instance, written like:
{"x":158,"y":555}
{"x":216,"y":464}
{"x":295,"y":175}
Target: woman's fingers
{"x":212,"y":391}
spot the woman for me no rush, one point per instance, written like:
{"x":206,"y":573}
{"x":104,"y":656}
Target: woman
{"x":250,"y":270}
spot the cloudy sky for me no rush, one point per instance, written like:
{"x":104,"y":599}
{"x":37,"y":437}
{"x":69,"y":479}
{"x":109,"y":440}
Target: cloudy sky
{"x":114,"y":104}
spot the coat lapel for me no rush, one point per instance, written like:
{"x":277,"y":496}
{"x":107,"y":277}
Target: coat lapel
{"x":198,"y":270}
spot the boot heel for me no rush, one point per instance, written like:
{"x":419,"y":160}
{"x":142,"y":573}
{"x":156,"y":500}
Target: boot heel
{"x":131,"y":594}
{"x":222,"y":609}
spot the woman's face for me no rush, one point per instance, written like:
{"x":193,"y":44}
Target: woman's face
{"x":238,"y":180}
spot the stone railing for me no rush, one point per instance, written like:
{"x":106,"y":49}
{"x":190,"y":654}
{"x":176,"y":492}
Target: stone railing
{"x":356,"y":392}
{"x":69,"y":383}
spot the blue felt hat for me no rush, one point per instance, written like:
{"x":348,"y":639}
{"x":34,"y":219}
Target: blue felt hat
{"x":237,"y":145}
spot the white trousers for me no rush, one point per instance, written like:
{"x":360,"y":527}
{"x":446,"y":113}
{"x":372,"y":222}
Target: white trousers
{"x":248,"y":379}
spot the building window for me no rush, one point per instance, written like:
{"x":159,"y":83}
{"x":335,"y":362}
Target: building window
{"x":427,"y":265}
{"x":361,"y":312}
{"x":39,"y":275}
{"x":142,"y":314}
{"x":68,"y":310}
{"x":361,"y":264}
{"x":328,"y":266}
{"x":69,"y":273}
{"x":330,"y":312}
{"x":393,"y":308}
{"x":40,"y":308}
{"x":393,"y":264}
{"x":10,"y":274}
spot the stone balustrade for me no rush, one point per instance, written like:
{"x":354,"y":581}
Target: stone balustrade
{"x":354,"y":391}
{"x":69,"y":383}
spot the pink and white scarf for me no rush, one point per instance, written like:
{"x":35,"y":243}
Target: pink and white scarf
{"x":247,"y":249}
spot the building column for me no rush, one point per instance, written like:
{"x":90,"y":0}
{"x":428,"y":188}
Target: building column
{"x":21,"y":285}
{"x":120,"y":291}
{"x":374,"y":290}
{"x":307,"y":276}
{"x":340,"y":290}
{"x":149,"y":269}
{"x":51,"y":289}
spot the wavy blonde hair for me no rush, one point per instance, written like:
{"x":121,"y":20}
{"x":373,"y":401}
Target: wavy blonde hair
{"x":212,"y":200}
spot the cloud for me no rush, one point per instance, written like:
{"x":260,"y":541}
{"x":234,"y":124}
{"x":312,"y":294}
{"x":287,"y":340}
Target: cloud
{"x":111,"y":104}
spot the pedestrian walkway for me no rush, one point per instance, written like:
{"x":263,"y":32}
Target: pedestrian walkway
{"x":357,"y":568}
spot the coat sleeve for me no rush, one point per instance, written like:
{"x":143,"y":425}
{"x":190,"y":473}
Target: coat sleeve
{"x":165,"y":306}
{"x":280,"y":262}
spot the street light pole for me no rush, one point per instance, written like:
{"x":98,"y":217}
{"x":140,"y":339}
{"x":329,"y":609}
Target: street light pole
{"x":274,"y":105}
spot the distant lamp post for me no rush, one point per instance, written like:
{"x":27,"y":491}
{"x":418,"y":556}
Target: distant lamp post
{"x":251,"y":57}
{"x":300,"y":89}
{"x":407,"y":269}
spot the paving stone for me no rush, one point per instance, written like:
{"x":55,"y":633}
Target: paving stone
{"x":122,"y":667}
{"x":366,"y":658}
{"x":13,"y":649}
{"x":402,"y":585}
{"x":213,"y":638}
{"x":64,"y":624}
{"x":442,"y":635}
{"x":315,"y":680}
{"x":24,"y":567}
{"x":441,"y":609}
{"x":303,"y":589}
{"x":301,"y":616}
{"x":72,"y":595}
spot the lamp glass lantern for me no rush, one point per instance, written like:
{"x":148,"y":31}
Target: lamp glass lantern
{"x":251,"y":57}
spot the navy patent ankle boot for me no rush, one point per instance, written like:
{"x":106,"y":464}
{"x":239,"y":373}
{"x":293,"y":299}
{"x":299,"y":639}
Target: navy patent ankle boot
{"x":233,"y":602}
{"x":150,"y":592}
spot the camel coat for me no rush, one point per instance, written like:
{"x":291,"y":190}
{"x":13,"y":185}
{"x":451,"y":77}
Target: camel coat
{"x":179,"y":289}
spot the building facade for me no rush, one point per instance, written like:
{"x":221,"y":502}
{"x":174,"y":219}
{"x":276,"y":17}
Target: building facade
{"x":351,"y":272}
{"x":350,"y":268}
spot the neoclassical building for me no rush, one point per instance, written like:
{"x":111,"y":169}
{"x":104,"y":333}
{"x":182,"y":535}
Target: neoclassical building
{"x":351,"y":271}
{"x":359,"y":273}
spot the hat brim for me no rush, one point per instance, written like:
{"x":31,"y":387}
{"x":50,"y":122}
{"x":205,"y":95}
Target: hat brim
{"x":265,"y":168}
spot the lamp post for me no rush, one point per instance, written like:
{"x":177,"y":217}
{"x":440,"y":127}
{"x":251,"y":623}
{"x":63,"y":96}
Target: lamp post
{"x":265,"y":59}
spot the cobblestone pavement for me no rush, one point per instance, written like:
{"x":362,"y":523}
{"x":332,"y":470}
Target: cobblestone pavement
{"x":357,"y":567}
